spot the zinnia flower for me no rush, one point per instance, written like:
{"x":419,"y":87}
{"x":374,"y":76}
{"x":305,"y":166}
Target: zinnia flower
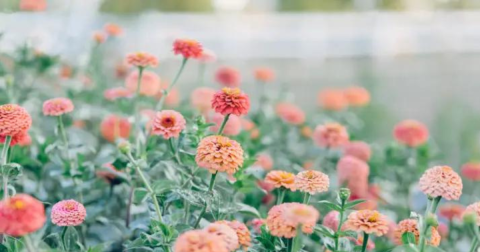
{"x":21,"y":215}
{"x":410,"y":226}
{"x":113,"y":127}
{"x":149,"y":84}
{"x":332,"y":99}
{"x":15,"y":119}
{"x":20,"y":139}
{"x":201,"y":98}
{"x":354,"y":172}
{"x":117,"y":92}
{"x":475,"y":209}
{"x":121,"y":70}
{"x":441,"y":181}
{"x":312,"y":182}
{"x":168,"y":123}
{"x":99,"y":37}
{"x":110,"y":174}
{"x":257,"y":224}
{"x":471,"y":171}
{"x":142,"y":59}
{"x":57,"y":106}
{"x":265,"y":161}
{"x":368,"y":221}
{"x":443,"y":230}
{"x":330,"y":135}
{"x":232,"y":127}
{"x":228,"y":77}
{"x":243,"y":234}
{"x":281,"y":179}
{"x":199,"y":241}
{"x":301,"y":214}
{"x":331,"y":220}
{"x":358,"y":149}
{"x":411,"y":133}
{"x":208,"y":56}
{"x":451,"y":211}
{"x":264,"y":74}
{"x":219,"y":154}
{"x":281,"y":227}
{"x":188,"y":48}
{"x":357,"y":96}
{"x":231,"y":101}
{"x":290,"y":113}
{"x":226,"y":233}
{"x":68,"y":213}
{"x":113,"y":29}
{"x":33,"y":5}
{"x":173,"y":97}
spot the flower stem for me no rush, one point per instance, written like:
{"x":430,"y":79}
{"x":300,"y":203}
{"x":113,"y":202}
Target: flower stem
{"x":365,"y":242}
{"x":340,"y":223}
{"x":222,"y":126}
{"x":306,"y":198}
{"x":474,"y":244}
{"x":212,"y":182}
{"x":167,"y":91}
{"x":281,"y":195}
{"x":296,"y":240}
{"x":136,"y":112}
{"x":430,"y":209}
{"x":4,"y":158}
{"x":204,"y":208}
{"x":174,"y":150}
{"x":29,"y":244}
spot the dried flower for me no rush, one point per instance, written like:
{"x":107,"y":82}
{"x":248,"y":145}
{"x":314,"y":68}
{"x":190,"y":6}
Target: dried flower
{"x":441,"y":181}
{"x":290,"y":113}
{"x":142,"y":59}
{"x":21,"y":215}
{"x":330,"y":135}
{"x":281,"y":179}
{"x":411,"y":133}
{"x":226,"y":233}
{"x":57,"y":106}
{"x":199,"y":241}
{"x":231,"y":101}
{"x":228,"y":77}
{"x":243,"y":234}
{"x":332,"y":99}
{"x":68,"y":213}
{"x":219,"y":154}
{"x":280,"y":227}
{"x":367,"y":221}
{"x":188,"y":48}
{"x":410,"y":226}
{"x":232,"y":127}
{"x":358,"y":149}
{"x":357,"y":96}
{"x":149,"y":84}
{"x":15,"y":120}
{"x":113,"y":127}
{"x":312,"y":182}
{"x":168,"y":123}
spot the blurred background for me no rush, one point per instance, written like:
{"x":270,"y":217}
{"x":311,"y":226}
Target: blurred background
{"x":419,"y":58}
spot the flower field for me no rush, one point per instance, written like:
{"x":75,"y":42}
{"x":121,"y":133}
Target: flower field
{"x":109,"y":156}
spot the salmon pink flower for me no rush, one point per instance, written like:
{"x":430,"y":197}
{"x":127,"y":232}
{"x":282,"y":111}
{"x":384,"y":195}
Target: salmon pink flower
{"x":232,"y":127}
{"x":443,"y":230}
{"x":475,"y":209}
{"x":68,"y":213}
{"x":228,"y":77}
{"x":188,"y":48}
{"x":411,"y":226}
{"x":231,"y":101}
{"x":312,"y":182}
{"x":121,"y":70}
{"x":226,"y":233}
{"x":57,"y":107}
{"x":243,"y":234}
{"x":290,"y":113}
{"x":33,"y":5}
{"x":411,"y":133}
{"x":257,"y":224}
{"x":281,"y":179}
{"x":264,"y":74}
{"x":199,"y":241}
{"x":15,"y":120}
{"x":332,"y":99}
{"x":118,"y":92}
{"x":368,"y":221}
{"x":451,"y":211}
{"x":281,"y":227}
{"x":113,"y":127}
{"x":21,"y":215}
{"x":219,"y":154}
{"x":471,"y":171}
{"x":358,"y":149}
{"x":99,"y":37}
{"x":20,"y":139}
{"x":168,"y":123}
{"x":201,"y":98}
{"x":173,"y":97}
{"x":331,"y":220}
{"x":357,"y":96}
{"x":330,"y":135}
{"x":142,"y":59}
{"x":149,"y":84}
{"x":301,"y":214}
{"x":113,"y":30}
{"x":441,"y":181}
{"x":306,"y":132}
{"x":208,"y":56}
{"x":265,"y":161}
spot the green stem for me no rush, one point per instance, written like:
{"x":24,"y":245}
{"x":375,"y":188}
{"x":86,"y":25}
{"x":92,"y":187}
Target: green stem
{"x":4,"y":158}
{"x":63,"y":133}
{"x":297,"y":240}
{"x":365,"y":242}
{"x":430,"y":210}
{"x":222,"y":126}
{"x":210,"y":190}
{"x":62,"y":236}
{"x":187,"y":212}
{"x":212,"y":182}
{"x":281,"y":195}
{"x":435,"y":202}
{"x":474,"y":244}
{"x":167,"y":91}
{"x":71,"y":161}
{"x":204,"y":209}
{"x":174,"y":150}
{"x":340,"y":223}
{"x":136,"y":110}
{"x":29,"y":244}
{"x":306,"y":198}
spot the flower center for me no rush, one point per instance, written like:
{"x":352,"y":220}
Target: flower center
{"x":374,"y":217}
{"x":231,"y":91}
{"x":69,"y":206}
{"x":17,"y":204}
{"x":168,"y":122}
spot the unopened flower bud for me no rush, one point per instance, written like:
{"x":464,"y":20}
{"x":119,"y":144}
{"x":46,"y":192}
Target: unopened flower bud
{"x":431,"y":220}
{"x":470,"y":218}
{"x":124,"y":147}
{"x":344,"y":194}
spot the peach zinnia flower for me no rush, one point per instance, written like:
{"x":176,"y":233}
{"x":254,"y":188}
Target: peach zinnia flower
{"x":21,"y":215}
{"x":201,"y":98}
{"x":113,"y":29}
{"x":473,"y":208}
{"x":199,"y":241}
{"x":226,"y":233}
{"x":332,"y":99}
{"x":301,"y":214}
{"x":290,"y":113}
{"x":68,"y":213}
{"x":312,"y":182}
{"x":117,"y":92}
{"x":280,"y":227}
{"x":232,"y":127}
{"x":265,"y":161}
{"x":149,"y":84}
{"x":411,"y":133}
{"x":331,"y":220}
{"x":15,"y":119}
{"x":243,"y":234}
{"x":357,"y":96}
{"x":451,"y":211}
{"x":264,"y":74}
{"x":441,"y":181}
{"x":188,"y":48}
{"x":281,"y":179}
{"x":471,"y":171}
{"x":349,"y":167}
{"x":33,"y":5}
{"x":257,"y":224}
{"x":358,"y":149}
{"x":208,"y":56}
{"x":168,"y":123}
{"x":113,"y":127}
{"x":330,"y":135}
{"x":228,"y":77}
{"x":219,"y":154}
{"x":231,"y":101}
{"x":57,"y":106}
{"x":142,"y":59}
{"x":368,"y":221}
{"x":411,"y":226}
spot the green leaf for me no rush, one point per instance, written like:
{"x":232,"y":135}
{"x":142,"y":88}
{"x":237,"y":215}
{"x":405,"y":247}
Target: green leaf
{"x":162,"y":186}
{"x":71,"y":239}
{"x":325,"y":231}
{"x":433,"y":249}
{"x":405,"y":248}
{"x":139,"y":195}
{"x":408,"y":238}
{"x":330,"y":205}
{"x":3,"y":248}
{"x":351,"y":204}
{"x":12,"y":170}
{"x":348,"y":233}
{"x":246,"y":209}
{"x":98,"y":248}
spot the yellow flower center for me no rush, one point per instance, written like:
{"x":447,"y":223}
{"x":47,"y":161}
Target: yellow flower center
{"x":309,"y":174}
{"x":17,"y":204}
{"x":223,"y":142}
{"x":69,"y":205}
{"x":446,"y":169}
{"x":301,"y":211}
{"x":374,"y":217}
{"x":231,"y":91}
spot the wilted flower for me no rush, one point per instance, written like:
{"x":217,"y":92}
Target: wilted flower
{"x":199,"y":241}
{"x":149,"y":84}
{"x":188,"y":48}
{"x":15,"y":120}
{"x":332,"y":99}
{"x":68,"y":213}
{"x":357,"y":96}
{"x":475,"y":210}
{"x":411,"y":133}
{"x":264,"y":74}
{"x":168,"y":123}
{"x":290,"y":113}
{"x":368,"y":221}
{"x":208,"y":56}
{"x":231,"y":101}
{"x":281,"y":179}
{"x":21,"y":215}
{"x":441,"y":181}
{"x":330,"y":135}
{"x":243,"y":234}
{"x":113,"y":29}
{"x":226,"y":233}
{"x":281,"y":227}
{"x":451,"y":211}
{"x":228,"y":77}
{"x":113,"y":127}
{"x":471,"y":171}
{"x":33,"y":5}
{"x":57,"y":106}
{"x":411,"y":226}
{"x":358,"y":149}
{"x":142,"y":59}
{"x":265,"y":161}
{"x":312,"y":182}
{"x":331,"y":220}
{"x":232,"y":127}
{"x":219,"y":154}
{"x":201,"y":98}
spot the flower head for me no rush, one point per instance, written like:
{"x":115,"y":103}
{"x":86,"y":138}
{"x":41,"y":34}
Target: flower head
{"x":471,"y":171}
{"x":219,"y":154}
{"x":243,"y":234}
{"x":332,"y":99}
{"x":20,"y":139}
{"x":349,"y":167}
{"x":21,"y":215}
{"x":257,"y":224}
{"x":290,"y":113}
{"x":281,"y":179}
{"x":99,"y":37}
{"x":173,"y":97}
{"x":451,"y":211}
{"x":411,"y":133}
{"x":149,"y":84}
{"x":201,"y":98}
{"x":331,"y":220}
{"x":14,"y":119}
{"x":264,"y":74}
{"x":281,"y":227}
{"x":118,"y":92}
{"x":68,"y":213}
{"x":228,"y":77}
{"x":411,"y":226}
{"x":330,"y":135}
{"x":312,"y":182}
{"x":441,"y":181}
{"x":231,"y":101}
{"x":33,"y":5}
{"x":199,"y":241}
{"x":57,"y":106}
{"x":142,"y":59}
{"x":188,"y":48}
{"x":113,"y":29}
{"x":301,"y":214}
{"x":233,"y":126}
{"x":358,"y":149}
{"x":368,"y":221}
{"x":168,"y":123}
{"x":265,"y":161}
{"x":475,"y":210}
{"x":226,"y":233}
{"x":113,"y":127}
{"x":208,"y":56}
{"x":357,"y":96}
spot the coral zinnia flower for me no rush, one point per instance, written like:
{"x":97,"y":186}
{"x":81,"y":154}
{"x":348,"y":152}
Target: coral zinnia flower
{"x":411,"y":133}
{"x":68,"y":213}
{"x":14,"y":119}
{"x":99,"y":37}
{"x":228,"y":77}
{"x":232,"y":127}
{"x":281,"y":227}
{"x":332,"y":99}
{"x":142,"y":59}
{"x":20,"y":139}
{"x":290,"y":113}
{"x":201,"y":98}
{"x":331,"y":220}
{"x":471,"y":171}
{"x":149,"y":84}
{"x":264,"y":74}
{"x":473,"y":208}
{"x":188,"y":48}
{"x":168,"y":123}
{"x":451,"y":211}
{"x":243,"y":234}
{"x":117,"y":92}
{"x":368,"y":221}
{"x":112,"y":29}
{"x":257,"y":224}
{"x":312,"y":182}
{"x":33,"y":5}
{"x":441,"y":181}
{"x":301,"y":214}
{"x":231,"y":101}
{"x":411,"y":226}
{"x":199,"y":241}
{"x":57,"y":106}
{"x":208,"y":56}
{"x":113,"y":127}
{"x":354,"y":172}
{"x":357,"y":96}
{"x":358,"y":149}
{"x":330,"y":135}
{"x":21,"y":215}
{"x":265,"y":161}
{"x":219,"y":154}
{"x":281,"y":179}
{"x":226,"y":233}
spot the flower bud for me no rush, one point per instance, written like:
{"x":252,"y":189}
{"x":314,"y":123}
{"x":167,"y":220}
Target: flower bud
{"x":344,"y":194}
{"x":431,"y":220}
{"x":470,"y":218}
{"x":124,"y":147}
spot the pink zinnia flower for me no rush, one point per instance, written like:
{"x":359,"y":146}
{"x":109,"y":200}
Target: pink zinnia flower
{"x":68,"y":213}
{"x":451,"y":211}
{"x":301,"y":214}
{"x":113,"y":127}
{"x":33,"y":5}
{"x":199,"y":241}
{"x":441,"y":181}
{"x":330,"y":135}
{"x":21,"y":215}
{"x":113,"y":29}
{"x":117,"y":92}
{"x":443,"y":230}
{"x":243,"y":234}
{"x":201,"y":98}
{"x":268,"y":187}
{"x":281,"y":179}
{"x":188,"y":48}
{"x":357,"y":96}
{"x":281,"y":227}
{"x":367,"y":221}
{"x":312,"y":182}
{"x":208,"y":56}
{"x":265,"y":161}
{"x":471,"y":171}
{"x":57,"y":106}
{"x":358,"y":149}
{"x":257,"y":224}
{"x":173,"y":97}
{"x":20,"y":139}
{"x":411,"y":133}
{"x":226,"y":233}
{"x":411,"y":226}
{"x":231,"y":101}
{"x":351,"y":168}
{"x":233,"y":126}
{"x":15,"y":120}
{"x":142,"y":59}
{"x":332,"y":99}
{"x":475,"y":209}
{"x":168,"y":123}
{"x":264,"y":74}
{"x":228,"y":77}
{"x":149,"y":84}
{"x":290,"y":113}
{"x":219,"y":154}
{"x":331,"y":220}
